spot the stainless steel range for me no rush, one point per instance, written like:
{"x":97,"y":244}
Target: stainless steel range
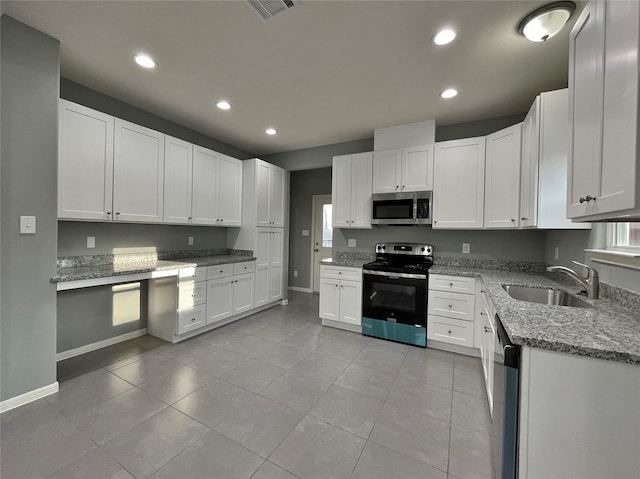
{"x":394,"y":293}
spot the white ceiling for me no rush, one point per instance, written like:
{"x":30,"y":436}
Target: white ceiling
{"x":322,"y":73}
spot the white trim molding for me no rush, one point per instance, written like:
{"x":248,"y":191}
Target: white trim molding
{"x":623,"y":259}
{"x":301,"y":290}
{"x":26,"y":398}
{"x":87,"y":348}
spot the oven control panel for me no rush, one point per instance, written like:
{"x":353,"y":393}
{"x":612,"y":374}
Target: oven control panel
{"x":405,"y":248}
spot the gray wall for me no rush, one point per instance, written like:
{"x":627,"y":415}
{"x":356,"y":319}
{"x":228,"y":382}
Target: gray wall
{"x":304,"y":184}
{"x":111,"y":237}
{"x":499,"y":245}
{"x":318,"y":157}
{"x":571,"y":245}
{"x":85,"y":96}
{"x":29,"y":90}
{"x":89,"y":315}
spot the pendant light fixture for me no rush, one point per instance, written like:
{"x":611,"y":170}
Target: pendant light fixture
{"x":546,"y":21}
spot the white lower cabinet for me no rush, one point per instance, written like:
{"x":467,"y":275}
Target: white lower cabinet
{"x":230,"y":290}
{"x":219,"y":299}
{"x":341,"y":299}
{"x":450,"y":310}
{"x":486,"y":338}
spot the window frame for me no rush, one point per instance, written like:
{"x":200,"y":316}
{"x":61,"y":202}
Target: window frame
{"x":612,"y":231}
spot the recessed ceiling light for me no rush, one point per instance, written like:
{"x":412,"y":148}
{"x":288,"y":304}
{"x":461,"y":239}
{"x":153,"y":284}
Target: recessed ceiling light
{"x":224,"y":105}
{"x":444,"y":36}
{"x":546,"y":21}
{"x":270,"y":131}
{"x":449,"y":93}
{"x":144,"y":60}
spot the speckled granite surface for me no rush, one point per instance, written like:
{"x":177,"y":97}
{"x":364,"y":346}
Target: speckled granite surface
{"x":609,"y":331}
{"x":349,"y":260}
{"x":78,"y":268}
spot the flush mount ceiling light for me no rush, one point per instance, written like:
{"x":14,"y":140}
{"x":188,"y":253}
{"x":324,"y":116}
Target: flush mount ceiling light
{"x":224,"y":105}
{"x":546,"y":21}
{"x":270,"y":131}
{"x":144,"y":60}
{"x":449,"y":93}
{"x":444,"y":36}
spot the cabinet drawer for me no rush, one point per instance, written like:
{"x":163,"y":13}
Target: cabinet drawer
{"x":219,"y":271}
{"x":338,"y":272}
{"x":450,"y":330}
{"x":456,"y":284}
{"x":191,"y":319}
{"x":192,"y":275}
{"x":192,"y":294}
{"x":244,"y":267}
{"x":451,"y":305}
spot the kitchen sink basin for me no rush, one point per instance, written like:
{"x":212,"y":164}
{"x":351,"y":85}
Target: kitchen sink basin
{"x":549,"y":296}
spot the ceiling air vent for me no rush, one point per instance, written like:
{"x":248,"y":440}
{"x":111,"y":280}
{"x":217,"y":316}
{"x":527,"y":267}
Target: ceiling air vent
{"x":267,"y":9}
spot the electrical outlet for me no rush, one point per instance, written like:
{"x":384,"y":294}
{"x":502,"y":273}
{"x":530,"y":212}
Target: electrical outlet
{"x":305,"y":232}
{"x":466,"y":248}
{"x":190,"y":240}
{"x":295,"y":274}
{"x":351,"y":243}
{"x":556,"y":253}
{"x":91,"y":241}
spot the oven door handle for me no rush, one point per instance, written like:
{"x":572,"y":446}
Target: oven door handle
{"x":395,"y":275}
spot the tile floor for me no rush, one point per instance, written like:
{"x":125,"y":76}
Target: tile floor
{"x":273,"y":396}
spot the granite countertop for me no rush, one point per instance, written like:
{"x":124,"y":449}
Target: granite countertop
{"x":344,"y":262}
{"x":610,"y":330}
{"x":142,"y":265}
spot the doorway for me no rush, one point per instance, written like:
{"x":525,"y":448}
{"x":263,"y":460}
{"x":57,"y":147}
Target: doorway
{"x":321,"y":236}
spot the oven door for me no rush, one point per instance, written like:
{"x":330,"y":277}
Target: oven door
{"x":395,"y":297}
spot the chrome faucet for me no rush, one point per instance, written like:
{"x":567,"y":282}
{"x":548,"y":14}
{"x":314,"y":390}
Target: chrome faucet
{"x":591,"y":283}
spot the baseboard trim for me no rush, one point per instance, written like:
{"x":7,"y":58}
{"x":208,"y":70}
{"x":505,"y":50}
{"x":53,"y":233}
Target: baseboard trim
{"x":301,"y":290}
{"x":452,"y":348}
{"x":26,"y":398}
{"x":87,"y":348}
{"x":355,"y":328}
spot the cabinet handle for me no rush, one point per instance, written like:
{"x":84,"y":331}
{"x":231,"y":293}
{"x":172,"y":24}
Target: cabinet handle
{"x":481,"y":313}
{"x":189,"y":218}
{"x":451,"y":285}
{"x":118,"y":213}
{"x":513,"y":220}
{"x":397,"y":187}
{"x":449,"y":331}
{"x":193,"y":319}
{"x":589,"y":198}
{"x":403,"y":187}
{"x":582,"y":199}
{"x":523,"y":218}
{"x":450,"y":306}
{"x":108,"y":212}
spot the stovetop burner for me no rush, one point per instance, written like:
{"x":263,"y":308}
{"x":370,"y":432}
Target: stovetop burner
{"x":402,"y":258}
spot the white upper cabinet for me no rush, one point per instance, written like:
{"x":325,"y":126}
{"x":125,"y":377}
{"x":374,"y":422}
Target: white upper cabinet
{"x":502,"y":178}
{"x":85,"y":163}
{"x":529,"y":177}
{"x":458,"y":194}
{"x":604,"y":167}
{"x":270,"y":194}
{"x":403,"y":169}
{"x":351,"y":190}
{"x":178,"y":170}
{"x":138,"y":173}
{"x":217,"y":188}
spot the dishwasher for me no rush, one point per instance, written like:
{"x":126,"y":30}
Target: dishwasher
{"x":506,"y":405}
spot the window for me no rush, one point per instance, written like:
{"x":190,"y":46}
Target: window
{"x":327,"y":229}
{"x":624,"y":236}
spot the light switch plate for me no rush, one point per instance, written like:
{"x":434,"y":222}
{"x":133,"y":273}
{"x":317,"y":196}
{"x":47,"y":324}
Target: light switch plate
{"x":91,"y":241}
{"x":27,"y":225}
{"x":190,"y":240}
{"x":305,"y":232}
{"x":466,"y":248}
{"x":351,"y":243}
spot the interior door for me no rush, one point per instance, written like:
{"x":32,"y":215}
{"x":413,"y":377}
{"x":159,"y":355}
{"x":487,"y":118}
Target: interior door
{"x":322,"y":235}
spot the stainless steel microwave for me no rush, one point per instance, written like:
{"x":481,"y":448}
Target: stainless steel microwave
{"x":407,"y":208}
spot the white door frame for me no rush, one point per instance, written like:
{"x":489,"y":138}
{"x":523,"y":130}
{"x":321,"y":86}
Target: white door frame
{"x":313,"y":233}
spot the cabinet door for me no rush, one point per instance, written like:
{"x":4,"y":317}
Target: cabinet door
{"x":417,"y":168}
{"x":341,"y":191}
{"x":263,"y":172}
{"x":351,"y":302}
{"x":619,"y":181}
{"x":529,"y":165}
{"x":458,"y":198}
{"x":262,"y":292}
{"x":243,"y":292}
{"x":276,"y":196}
{"x":219,"y":299}
{"x":205,"y":181}
{"x":276,"y":263}
{"x":85,"y":163}
{"x":275,"y":282}
{"x":502,"y":178}
{"x":230,"y":191}
{"x":387,"y":171}
{"x":263,"y":237}
{"x":585,"y":108}
{"x":178,"y":166}
{"x":361,"y":171}
{"x":329,"y":299}
{"x":138,"y":173}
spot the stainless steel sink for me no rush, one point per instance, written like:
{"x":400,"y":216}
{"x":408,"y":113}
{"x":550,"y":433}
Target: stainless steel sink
{"x":549,"y":296}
